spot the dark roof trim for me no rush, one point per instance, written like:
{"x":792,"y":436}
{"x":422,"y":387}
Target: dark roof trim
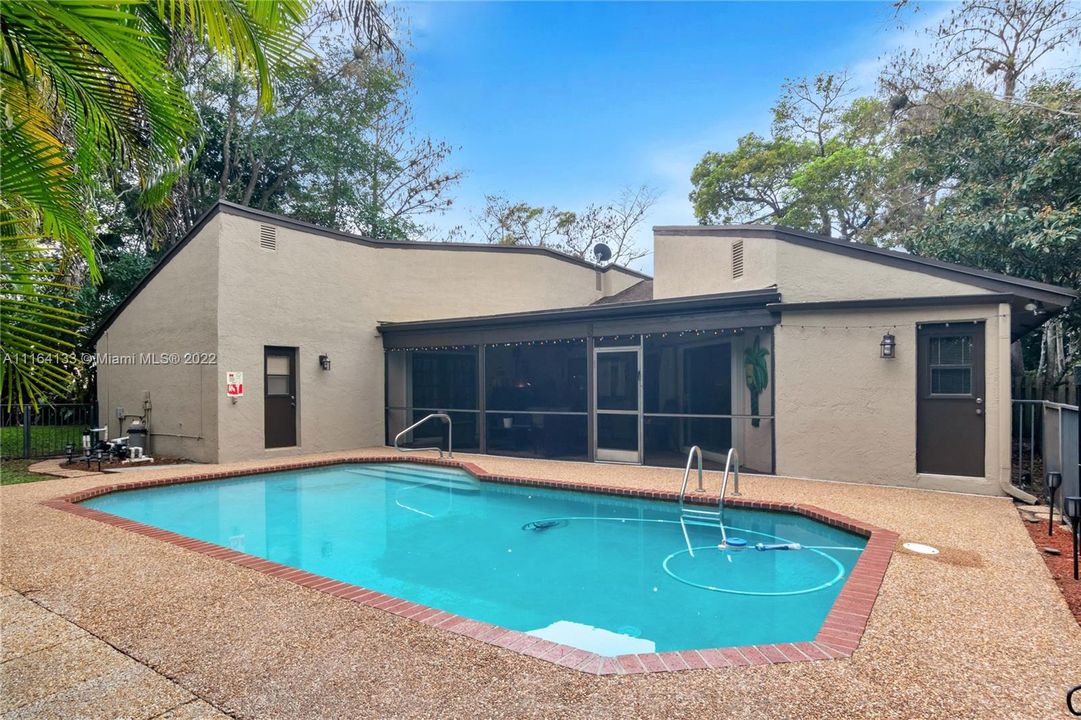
{"x":637,"y":309}
{"x":951,"y":271}
{"x":263,"y":216}
{"x":874,"y":303}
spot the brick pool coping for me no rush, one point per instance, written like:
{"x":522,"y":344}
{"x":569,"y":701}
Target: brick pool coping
{"x":838,"y":637}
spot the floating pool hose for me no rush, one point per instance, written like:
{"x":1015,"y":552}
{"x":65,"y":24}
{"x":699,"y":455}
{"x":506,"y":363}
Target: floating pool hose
{"x":778,"y":546}
{"x":732,"y":542}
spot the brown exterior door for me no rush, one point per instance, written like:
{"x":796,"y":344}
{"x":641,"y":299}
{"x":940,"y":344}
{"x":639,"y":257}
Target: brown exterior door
{"x":950,"y":405}
{"x":280,"y":397}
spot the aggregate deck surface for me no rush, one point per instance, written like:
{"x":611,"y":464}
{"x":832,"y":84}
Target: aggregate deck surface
{"x":978,"y":631}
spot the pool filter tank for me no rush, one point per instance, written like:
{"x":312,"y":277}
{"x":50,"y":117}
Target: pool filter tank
{"x":138,"y":435}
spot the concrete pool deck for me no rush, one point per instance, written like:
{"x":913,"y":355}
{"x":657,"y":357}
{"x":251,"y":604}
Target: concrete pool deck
{"x":978,"y":631}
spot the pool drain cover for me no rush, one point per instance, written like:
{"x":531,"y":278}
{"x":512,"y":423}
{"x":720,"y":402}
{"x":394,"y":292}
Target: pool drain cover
{"x":920,"y":548}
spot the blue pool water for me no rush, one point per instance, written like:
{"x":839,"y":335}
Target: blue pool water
{"x":607,"y":574}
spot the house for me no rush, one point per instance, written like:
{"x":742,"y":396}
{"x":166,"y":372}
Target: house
{"x":812,"y":357}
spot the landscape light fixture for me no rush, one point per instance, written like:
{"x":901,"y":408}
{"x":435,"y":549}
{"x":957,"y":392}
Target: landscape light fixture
{"x":324,"y":362}
{"x":1054,"y":480}
{"x":888,"y":346}
{"x":1072,"y":507}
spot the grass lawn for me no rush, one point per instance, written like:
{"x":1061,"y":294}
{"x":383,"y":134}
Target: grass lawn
{"x":45,"y":440}
{"x":13,"y":472}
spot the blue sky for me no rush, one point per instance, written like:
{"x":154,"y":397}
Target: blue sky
{"x":566,"y":103}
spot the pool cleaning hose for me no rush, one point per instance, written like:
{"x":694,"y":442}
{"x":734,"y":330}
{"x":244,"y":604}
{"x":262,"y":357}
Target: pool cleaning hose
{"x":735,"y":543}
{"x":778,"y":546}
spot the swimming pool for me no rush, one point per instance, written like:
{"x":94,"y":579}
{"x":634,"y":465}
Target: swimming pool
{"x":606,"y":574}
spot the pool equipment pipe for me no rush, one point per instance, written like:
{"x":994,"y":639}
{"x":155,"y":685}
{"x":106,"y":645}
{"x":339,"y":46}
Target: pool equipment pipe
{"x":1054,"y":479}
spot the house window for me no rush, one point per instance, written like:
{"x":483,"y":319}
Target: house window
{"x":951,"y":365}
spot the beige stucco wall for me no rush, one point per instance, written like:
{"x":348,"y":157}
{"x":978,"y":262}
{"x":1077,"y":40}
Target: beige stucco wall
{"x":702,"y":265}
{"x":686,"y":265}
{"x":324,"y":295}
{"x":843,"y":413}
{"x":175,"y":314}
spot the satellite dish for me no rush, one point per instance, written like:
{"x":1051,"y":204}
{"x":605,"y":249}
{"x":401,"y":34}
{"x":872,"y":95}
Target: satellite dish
{"x":602,"y":252}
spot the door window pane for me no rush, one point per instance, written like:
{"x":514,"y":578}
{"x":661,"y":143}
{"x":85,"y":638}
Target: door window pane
{"x":617,"y":432}
{"x":277,"y":364}
{"x":951,"y":364}
{"x":277,"y":385}
{"x":951,"y":350}
{"x":951,"y":381}
{"x":617,"y":381}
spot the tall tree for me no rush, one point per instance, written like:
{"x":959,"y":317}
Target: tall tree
{"x":1012,"y":203}
{"x":994,"y":45}
{"x":576,"y":233}
{"x":827,"y":166}
{"x":338,"y":149}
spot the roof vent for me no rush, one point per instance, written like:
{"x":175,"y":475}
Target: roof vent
{"x":737,"y":259}
{"x":268,"y":237}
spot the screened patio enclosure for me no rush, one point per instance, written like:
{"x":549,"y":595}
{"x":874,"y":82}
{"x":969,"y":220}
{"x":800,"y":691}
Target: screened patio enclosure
{"x":633,"y":383}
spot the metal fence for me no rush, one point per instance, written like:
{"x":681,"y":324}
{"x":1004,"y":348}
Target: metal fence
{"x":45,"y":431}
{"x":1045,"y":439}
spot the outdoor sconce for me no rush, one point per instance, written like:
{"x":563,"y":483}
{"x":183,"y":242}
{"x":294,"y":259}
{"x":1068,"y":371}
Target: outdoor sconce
{"x":1054,"y":480}
{"x":888,"y":346}
{"x":324,"y":362}
{"x":1072,"y":508}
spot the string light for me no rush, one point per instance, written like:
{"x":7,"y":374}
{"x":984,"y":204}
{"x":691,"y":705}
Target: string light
{"x":722,"y":332}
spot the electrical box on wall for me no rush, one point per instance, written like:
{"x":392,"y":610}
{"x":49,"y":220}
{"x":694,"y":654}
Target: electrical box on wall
{"x":120,"y":413}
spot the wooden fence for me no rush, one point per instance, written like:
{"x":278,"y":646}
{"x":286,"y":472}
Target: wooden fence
{"x":1026,"y":388}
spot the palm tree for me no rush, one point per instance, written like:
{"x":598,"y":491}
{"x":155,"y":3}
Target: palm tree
{"x":88,"y":90}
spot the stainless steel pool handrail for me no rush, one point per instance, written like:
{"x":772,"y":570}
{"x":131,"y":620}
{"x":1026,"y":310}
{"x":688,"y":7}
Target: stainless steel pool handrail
{"x":731,"y":468}
{"x":732,"y":455}
{"x":695,"y":451}
{"x":450,"y":435}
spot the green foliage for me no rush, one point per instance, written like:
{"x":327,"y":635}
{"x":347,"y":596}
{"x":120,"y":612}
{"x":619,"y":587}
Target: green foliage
{"x":1007,"y":180}
{"x":337,"y":149}
{"x":87,"y":88}
{"x":826,"y":168}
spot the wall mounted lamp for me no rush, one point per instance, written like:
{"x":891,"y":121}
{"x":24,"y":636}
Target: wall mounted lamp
{"x":888,"y":346}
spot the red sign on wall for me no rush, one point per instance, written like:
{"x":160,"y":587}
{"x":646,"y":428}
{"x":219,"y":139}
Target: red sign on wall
{"x":234,"y":384}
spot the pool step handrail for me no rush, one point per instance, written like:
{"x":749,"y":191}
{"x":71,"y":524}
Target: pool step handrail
{"x":731,"y":468}
{"x":450,"y":435}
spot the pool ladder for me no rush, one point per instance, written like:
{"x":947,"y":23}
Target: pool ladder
{"x":702,"y":515}
{"x":450,"y":435}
